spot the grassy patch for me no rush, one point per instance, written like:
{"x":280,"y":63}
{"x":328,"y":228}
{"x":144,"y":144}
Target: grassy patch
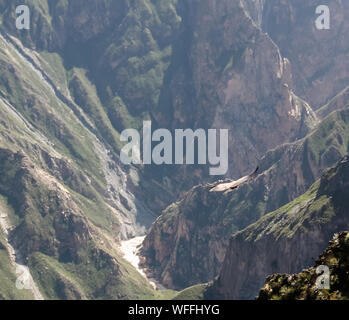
{"x":196,"y":292}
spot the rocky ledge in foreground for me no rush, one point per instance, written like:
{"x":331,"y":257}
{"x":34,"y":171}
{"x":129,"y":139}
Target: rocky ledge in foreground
{"x":304,"y":284}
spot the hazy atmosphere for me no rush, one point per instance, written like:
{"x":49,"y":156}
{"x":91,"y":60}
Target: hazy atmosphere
{"x":174,"y":150}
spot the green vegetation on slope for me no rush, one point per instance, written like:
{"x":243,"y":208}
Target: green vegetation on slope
{"x":96,"y":277}
{"x":196,"y":292}
{"x":51,"y":170}
{"x":303,"y":286}
{"x":68,"y":256}
{"x":321,"y":204}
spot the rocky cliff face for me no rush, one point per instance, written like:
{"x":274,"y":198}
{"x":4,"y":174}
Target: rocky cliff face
{"x":255,"y":9}
{"x":229,"y":74}
{"x":303,"y":286}
{"x":287,"y":240}
{"x":186,"y":245}
{"x":318,"y":57}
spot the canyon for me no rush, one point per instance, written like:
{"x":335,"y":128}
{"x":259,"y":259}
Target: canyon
{"x":88,"y":225}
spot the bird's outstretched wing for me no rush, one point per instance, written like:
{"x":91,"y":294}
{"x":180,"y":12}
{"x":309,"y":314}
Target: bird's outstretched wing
{"x":228,"y":186}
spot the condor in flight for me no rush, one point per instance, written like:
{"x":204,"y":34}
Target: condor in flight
{"x":229,"y":185}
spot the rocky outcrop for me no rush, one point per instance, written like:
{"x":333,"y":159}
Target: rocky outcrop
{"x":305,"y":285}
{"x":287,"y":240}
{"x":186,"y":245}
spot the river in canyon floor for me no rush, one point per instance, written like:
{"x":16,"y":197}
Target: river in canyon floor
{"x":130,"y":250}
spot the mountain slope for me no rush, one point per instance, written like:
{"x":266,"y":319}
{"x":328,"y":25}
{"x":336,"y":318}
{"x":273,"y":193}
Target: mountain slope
{"x":286,"y":240}
{"x":51,"y":231}
{"x":69,"y":194}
